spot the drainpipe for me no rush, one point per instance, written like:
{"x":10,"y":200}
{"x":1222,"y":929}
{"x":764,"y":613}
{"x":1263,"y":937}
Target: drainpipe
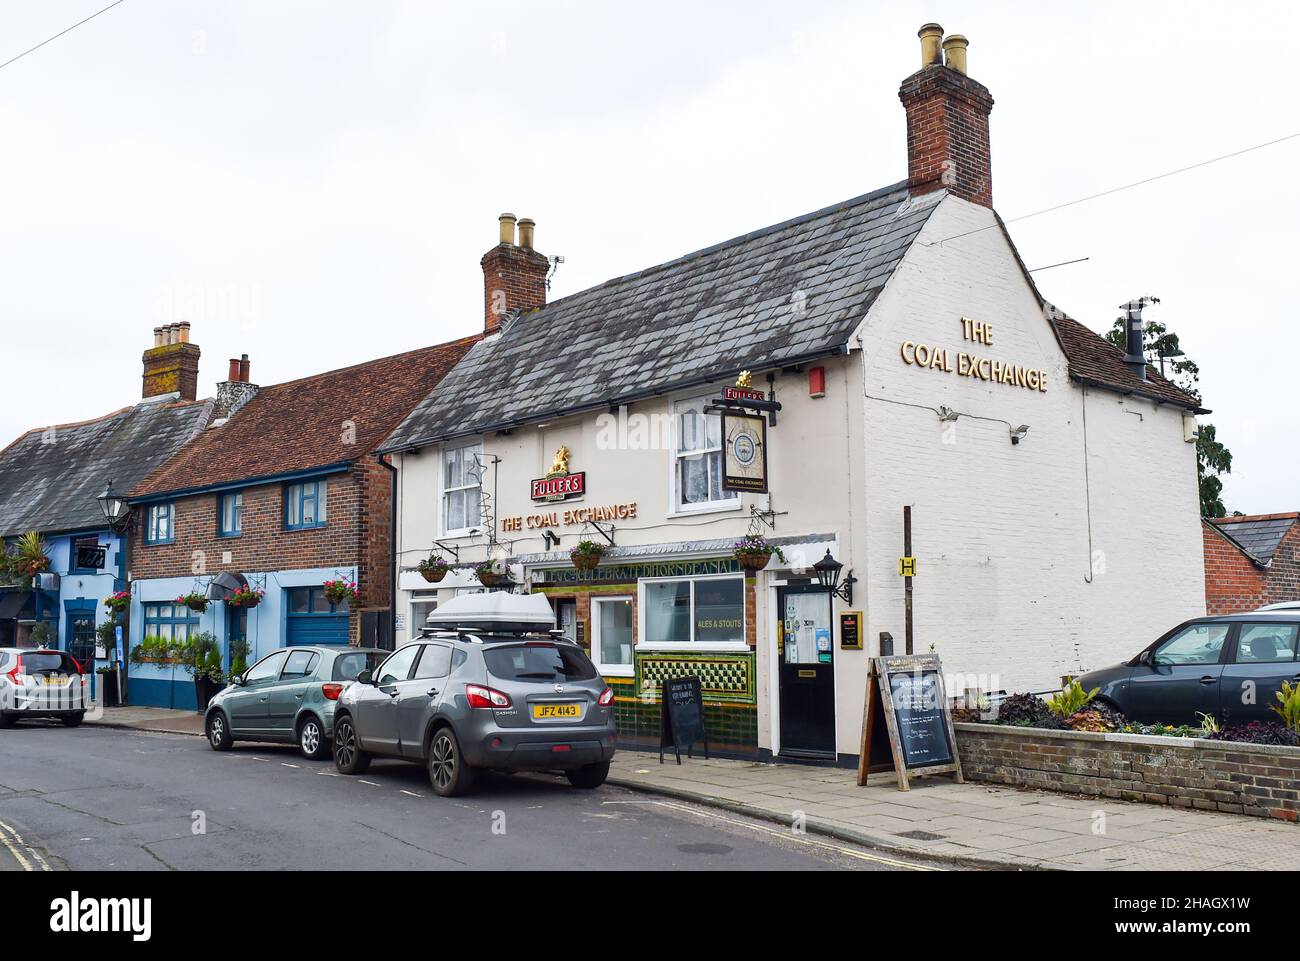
{"x":392,"y":550}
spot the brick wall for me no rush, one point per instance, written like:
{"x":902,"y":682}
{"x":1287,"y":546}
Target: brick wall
{"x":358,"y":534}
{"x":1255,"y":779}
{"x":948,"y":134}
{"x":1234,"y":583}
{"x":513,"y":279}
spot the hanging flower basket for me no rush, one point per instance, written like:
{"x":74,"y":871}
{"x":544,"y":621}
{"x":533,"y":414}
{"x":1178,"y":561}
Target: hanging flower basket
{"x":587,"y":555}
{"x":488,"y":574}
{"x":119,"y":602}
{"x":195,"y":601}
{"x":753,"y":552}
{"x":342,"y":592}
{"x":433,"y":569}
{"x":246,"y":597}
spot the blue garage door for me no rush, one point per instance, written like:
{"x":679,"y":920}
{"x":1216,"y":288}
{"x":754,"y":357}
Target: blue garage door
{"x":313,"y":619}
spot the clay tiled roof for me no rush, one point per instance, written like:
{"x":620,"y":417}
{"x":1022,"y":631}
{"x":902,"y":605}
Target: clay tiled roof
{"x":306,"y":424}
{"x":1096,"y":360}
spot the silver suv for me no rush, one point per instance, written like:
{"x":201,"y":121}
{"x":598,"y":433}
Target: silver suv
{"x":41,"y":683}
{"x":514,"y":697}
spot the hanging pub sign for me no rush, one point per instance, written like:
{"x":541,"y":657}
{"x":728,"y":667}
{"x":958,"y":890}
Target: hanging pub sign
{"x":744,"y":453}
{"x":560,"y":484}
{"x":907,"y":722}
{"x":91,"y":557}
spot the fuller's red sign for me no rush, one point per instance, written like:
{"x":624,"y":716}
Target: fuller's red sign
{"x":560,"y":488}
{"x":742,"y":393}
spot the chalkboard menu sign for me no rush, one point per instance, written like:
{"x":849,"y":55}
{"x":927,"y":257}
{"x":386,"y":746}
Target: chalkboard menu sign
{"x":682,"y":718}
{"x":851,"y":630}
{"x":906,"y":701}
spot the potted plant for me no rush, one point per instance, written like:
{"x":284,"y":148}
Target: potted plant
{"x":106,"y":685}
{"x":42,"y":634}
{"x":195,"y":601}
{"x":32,"y":556}
{"x":586,"y":555}
{"x":489,"y":573}
{"x":155,"y":650}
{"x":342,"y":592}
{"x":238,"y":658}
{"x":117,"y":603}
{"x":753,"y":552}
{"x":246,"y":597}
{"x":201,"y":658}
{"x":433,"y":568}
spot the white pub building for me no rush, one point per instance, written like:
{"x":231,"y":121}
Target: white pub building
{"x":915,"y":365}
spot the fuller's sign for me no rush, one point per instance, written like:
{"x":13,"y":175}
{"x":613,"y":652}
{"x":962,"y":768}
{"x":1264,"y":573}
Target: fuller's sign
{"x":560,"y":488}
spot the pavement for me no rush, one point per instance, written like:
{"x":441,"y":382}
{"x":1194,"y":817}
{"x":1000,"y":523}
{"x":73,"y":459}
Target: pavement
{"x":968,"y":825}
{"x":102,"y":798}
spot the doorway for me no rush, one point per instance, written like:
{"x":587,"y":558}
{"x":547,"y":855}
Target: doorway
{"x":806,"y":654}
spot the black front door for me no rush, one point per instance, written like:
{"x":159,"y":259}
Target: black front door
{"x":805,"y":645}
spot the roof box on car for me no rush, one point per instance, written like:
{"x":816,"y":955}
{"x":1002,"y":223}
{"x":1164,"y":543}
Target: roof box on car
{"x":499,"y":611}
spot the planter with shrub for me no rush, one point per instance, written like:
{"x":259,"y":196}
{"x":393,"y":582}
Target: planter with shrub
{"x":246,"y":597}
{"x":489,"y":573}
{"x":195,"y":601}
{"x":753,"y":552}
{"x":342,"y":592}
{"x":586,"y":556}
{"x":433,"y":569}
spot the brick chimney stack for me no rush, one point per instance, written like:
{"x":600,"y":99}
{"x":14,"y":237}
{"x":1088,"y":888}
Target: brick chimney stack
{"x":947,"y":122}
{"x":234,"y":392}
{"x":171,"y":365}
{"x":514,"y":274}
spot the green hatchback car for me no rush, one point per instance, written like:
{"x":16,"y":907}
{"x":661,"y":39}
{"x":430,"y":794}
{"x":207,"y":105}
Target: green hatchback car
{"x":288,"y":697}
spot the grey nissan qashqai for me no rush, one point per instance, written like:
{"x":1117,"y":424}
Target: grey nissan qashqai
{"x":489,"y":685}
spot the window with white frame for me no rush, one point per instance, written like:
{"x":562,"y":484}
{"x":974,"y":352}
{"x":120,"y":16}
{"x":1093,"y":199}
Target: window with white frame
{"x":613,"y":638}
{"x":158,"y":524}
{"x":697,"y":467}
{"x":422,"y":605}
{"x":706,"y":611}
{"x":462,"y":488}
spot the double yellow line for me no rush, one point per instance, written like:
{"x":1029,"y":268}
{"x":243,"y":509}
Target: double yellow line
{"x":28,"y":858}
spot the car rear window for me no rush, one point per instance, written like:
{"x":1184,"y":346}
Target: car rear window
{"x":348,"y":667}
{"x":47,"y":663}
{"x":542,"y":663}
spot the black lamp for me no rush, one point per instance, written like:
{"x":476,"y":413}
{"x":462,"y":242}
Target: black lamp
{"x":828,"y":575}
{"x":114,"y":506}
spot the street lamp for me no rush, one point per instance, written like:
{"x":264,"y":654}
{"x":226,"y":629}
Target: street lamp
{"x":114,"y":506}
{"x":828,"y":575}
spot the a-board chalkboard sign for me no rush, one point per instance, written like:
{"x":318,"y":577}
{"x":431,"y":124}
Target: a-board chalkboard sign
{"x":907,"y":714}
{"x":682,"y":718}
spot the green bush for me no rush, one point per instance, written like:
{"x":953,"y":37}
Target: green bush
{"x":1071,"y":700}
{"x":1288,"y":706}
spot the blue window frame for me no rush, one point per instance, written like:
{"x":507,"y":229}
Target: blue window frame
{"x":230,"y":520}
{"x":170,"y":620}
{"x":305,"y":505}
{"x":159,"y":524}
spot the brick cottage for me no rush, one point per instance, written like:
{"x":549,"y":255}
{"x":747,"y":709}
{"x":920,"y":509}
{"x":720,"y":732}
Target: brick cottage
{"x":1251,"y":562}
{"x":279,"y":495}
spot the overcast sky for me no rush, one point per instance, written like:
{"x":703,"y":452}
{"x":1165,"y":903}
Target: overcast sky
{"x":313,"y":183}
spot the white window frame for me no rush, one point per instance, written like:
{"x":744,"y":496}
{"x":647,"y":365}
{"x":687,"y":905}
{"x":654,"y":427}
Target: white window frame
{"x":419,"y":597}
{"x":611,"y":670}
{"x":677,"y":506}
{"x":444,"y":491}
{"x":712,"y":647}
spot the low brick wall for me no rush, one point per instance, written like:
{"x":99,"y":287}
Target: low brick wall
{"x":1256,"y":779}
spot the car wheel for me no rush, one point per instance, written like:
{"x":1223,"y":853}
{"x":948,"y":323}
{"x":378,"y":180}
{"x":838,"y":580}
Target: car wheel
{"x":311,"y":739}
{"x":590,"y":777}
{"x":218,"y":731}
{"x":348,"y":756}
{"x":448,"y":772}
{"x":74,"y":720}
{"x":7,"y":720}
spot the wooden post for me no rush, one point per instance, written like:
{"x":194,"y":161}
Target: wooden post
{"x":907,"y":552}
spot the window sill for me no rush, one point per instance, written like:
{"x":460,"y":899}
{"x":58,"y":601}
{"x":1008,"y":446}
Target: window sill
{"x":462,"y":534}
{"x":693,"y":647}
{"x":718,"y":507}
{"x":621,"y":671}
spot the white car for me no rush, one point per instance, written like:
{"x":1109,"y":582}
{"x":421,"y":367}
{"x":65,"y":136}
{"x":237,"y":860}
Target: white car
{"x":41,"y":683}
{"x":1288,"y":606}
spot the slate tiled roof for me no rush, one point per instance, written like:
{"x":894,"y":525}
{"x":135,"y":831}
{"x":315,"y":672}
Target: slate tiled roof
{"x":50,"y":478}
{"x":1258,"y":536}
{"x":302,"y":425}
{"x":1095,"y":359}
{"x":777,"y":296}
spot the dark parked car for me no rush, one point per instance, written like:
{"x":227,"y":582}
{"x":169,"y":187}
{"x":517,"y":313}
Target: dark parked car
{"x":500,"y":690}
{"x":1227,"y":667}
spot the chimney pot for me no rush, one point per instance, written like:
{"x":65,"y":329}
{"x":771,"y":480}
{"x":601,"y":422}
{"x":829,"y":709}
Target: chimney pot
{"x":508,"y":222}
{"x":245,"y":369}
{"x":233,"y":375}
{"x":931,"y":37}
{"x":526,"y":230}
{"x":954,"y":50}
{"x":157,"y":336}
{"x":183,"y":331}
